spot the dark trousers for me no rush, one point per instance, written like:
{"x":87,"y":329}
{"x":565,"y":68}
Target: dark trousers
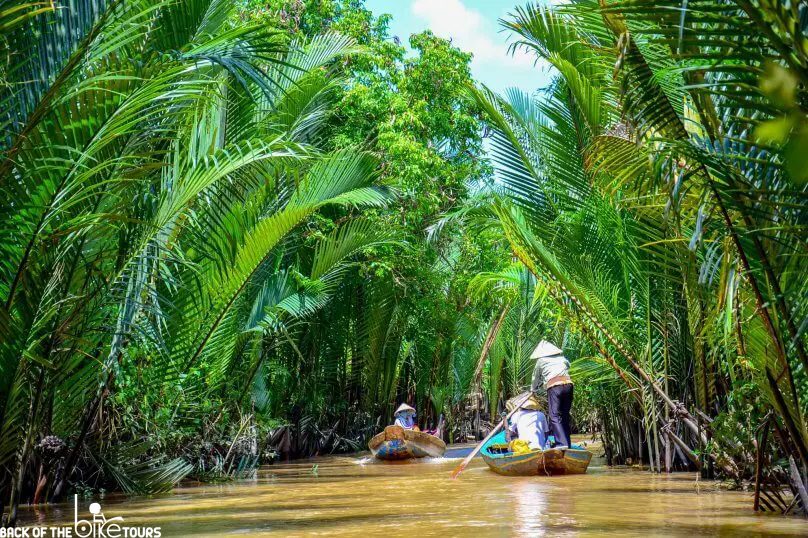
{"x":559,"y":403}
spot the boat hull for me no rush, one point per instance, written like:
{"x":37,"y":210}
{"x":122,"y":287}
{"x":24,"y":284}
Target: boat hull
{"x":538,"y":462}
{"x":396,"y":443}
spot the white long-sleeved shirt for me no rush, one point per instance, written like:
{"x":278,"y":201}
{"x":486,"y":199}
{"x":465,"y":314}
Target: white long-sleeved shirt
{"x":530,"y":426}
{"x":546,"y":369}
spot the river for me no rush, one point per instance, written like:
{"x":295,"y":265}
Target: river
{"x":357,"y":496}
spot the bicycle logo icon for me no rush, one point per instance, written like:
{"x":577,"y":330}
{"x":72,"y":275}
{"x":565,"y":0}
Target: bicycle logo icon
{"x":99,"y":526}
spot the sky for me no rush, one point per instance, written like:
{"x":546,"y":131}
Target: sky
{"x":473,"y":27}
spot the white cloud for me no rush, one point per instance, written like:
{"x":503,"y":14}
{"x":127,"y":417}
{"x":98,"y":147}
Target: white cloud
{"x":468,"y":30}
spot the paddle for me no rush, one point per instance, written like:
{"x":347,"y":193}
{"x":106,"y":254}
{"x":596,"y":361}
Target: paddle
{"x":459,"y":469}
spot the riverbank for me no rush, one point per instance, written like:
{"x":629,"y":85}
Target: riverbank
{"x":355,"y":496}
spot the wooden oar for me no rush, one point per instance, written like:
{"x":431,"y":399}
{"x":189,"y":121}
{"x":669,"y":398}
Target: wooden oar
{"x":459,"y":469}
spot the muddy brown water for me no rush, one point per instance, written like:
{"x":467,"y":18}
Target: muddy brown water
{"x":358,"y":496}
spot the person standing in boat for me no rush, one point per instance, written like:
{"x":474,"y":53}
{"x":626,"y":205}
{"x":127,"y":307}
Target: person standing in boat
{"x":405,"y":417}
{"x":552,"y":374}
{"x":528,"y":423}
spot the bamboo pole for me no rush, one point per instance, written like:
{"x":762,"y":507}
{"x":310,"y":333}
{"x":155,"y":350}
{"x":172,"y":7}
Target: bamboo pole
{"x":684,"y":448}
{"x":459,"y":469}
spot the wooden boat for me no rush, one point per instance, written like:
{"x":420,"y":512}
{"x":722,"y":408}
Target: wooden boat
{"x":396,"y":443}
{"x":554,"y":461}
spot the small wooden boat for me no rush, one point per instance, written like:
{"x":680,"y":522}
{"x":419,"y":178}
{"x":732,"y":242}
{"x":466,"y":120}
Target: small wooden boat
{"x":554,"y":461}
{"x":396,"y":443}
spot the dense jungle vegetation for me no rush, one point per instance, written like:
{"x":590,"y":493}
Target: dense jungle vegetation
{"x":231,"y":229}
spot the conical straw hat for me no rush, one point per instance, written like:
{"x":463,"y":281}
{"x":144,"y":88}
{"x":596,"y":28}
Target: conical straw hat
{"x":532,"y":403}
{"x":404,"y":408}
{"x":545,"y":349}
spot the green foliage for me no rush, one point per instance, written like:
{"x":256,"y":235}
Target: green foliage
{"x":214,"y":234}
{"x":229,"y":229}
{"x":400,"y":331}
{"x":153,"y":206}
{"x":634,"y":189}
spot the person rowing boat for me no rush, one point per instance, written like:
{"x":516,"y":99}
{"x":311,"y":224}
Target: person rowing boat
{"x":404,"y":440}
{"x":551,"y":375}
{"x":405,"y":417}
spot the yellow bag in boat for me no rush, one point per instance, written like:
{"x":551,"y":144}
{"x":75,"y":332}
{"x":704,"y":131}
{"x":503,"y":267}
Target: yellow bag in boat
{"x":519,"y":446}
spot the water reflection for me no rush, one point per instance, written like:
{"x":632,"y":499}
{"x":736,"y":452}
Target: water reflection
{"x":531,"y":507}
{"x":360,"y":497}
